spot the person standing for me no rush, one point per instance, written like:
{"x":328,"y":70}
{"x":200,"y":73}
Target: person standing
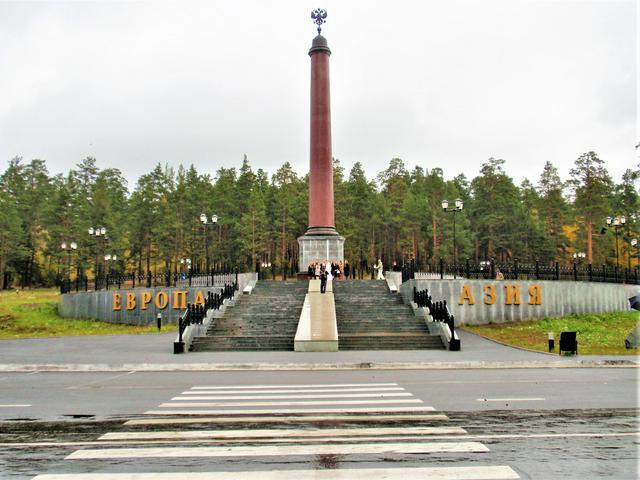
{"x":380,"y":268}
{"x":323,"y":281}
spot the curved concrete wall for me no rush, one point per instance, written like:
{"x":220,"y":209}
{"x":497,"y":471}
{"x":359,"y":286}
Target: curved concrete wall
{"x":480,"y":301}
{"x":146,"y":303}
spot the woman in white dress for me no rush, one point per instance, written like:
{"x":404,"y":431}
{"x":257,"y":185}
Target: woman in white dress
{"x":380,"y":269}
{"x":327,"y":267}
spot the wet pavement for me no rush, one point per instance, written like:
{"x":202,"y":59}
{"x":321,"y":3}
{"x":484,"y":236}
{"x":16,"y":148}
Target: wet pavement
{"x":569,"y":444}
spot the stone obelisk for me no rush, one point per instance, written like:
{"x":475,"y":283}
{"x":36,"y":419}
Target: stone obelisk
{"x":321,"y":241}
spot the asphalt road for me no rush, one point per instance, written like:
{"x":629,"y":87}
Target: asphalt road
{"x":533,"y":423}
{"x":102,"y":395}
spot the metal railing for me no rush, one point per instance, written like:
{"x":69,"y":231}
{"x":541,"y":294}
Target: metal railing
{"x":490,"y":270}
{"x":439,"y":312}
{"x":195,"y":314}
{"x":129,"y":281}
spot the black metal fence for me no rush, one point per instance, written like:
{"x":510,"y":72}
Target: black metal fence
{"x":108,"y":282}
{"x":439,"y":312}
{"x":195,"y":314}
{"x":491,"y":270}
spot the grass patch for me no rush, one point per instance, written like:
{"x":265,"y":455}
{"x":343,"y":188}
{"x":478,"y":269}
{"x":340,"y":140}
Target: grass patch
{"x":598,"y":333}
{"x":34,"y":313}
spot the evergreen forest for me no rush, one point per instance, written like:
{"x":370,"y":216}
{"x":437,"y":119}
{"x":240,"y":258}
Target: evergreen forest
{"x":155,"y":226}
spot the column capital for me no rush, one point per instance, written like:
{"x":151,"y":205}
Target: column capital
{"x":319,"y":45}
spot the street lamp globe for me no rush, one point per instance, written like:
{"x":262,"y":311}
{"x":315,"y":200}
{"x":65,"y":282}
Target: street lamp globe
{"x":459,"y":204}
{"x":103,"y":231}
{"x":445,"y":204}
{"x":203,"y":218}
{"x":609,"y":220}
{"x":91,"y":231}
{"x":63,"y":245}
{"x":623,"y":220}
{"x":73,"y":245}
{"x":634,"y":242}
{"x":214,"y":219}
{"x":107,"y":257}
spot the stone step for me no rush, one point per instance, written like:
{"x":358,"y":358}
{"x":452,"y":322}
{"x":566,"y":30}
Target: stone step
{"x":265,"y":320}
{"x":390,"y":342}
{"x":372,"y":318}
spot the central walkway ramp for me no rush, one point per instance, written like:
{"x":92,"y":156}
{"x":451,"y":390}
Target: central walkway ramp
{"x":371,"y":318}
{"x":265,"y":320}
{"x":317,"y":330}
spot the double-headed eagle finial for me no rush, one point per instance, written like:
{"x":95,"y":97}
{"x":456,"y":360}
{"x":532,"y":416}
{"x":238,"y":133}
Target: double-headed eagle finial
{"x":318,"y":16}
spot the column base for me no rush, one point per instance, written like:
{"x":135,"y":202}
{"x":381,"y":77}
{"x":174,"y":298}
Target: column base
{"x":324,"y":231}
{"x":315,"y":247}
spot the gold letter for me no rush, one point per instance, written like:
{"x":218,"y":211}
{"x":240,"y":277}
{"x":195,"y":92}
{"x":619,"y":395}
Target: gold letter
{"x":199,"y":298}
{"x":179,"y":299}
{"x":512,"y":292}
{"x":490,"y":294}
{"x":535,"y":294}
{"x":116,"y":301}
{"x":466,"y":295}
{"x":131,"y":301}
{"x":162,"y":299}
{"x":146,"y":299}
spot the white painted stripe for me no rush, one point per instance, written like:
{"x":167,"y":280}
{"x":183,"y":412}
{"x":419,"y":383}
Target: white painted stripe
{"x":328,"y":385}
{"x":284,"y":404}
{"x":281,"y":433}
{"x":277,"y":450}
{"x":420,"y":473}
{"x":284,"y":411}
{"x":531,"y":399}
{"x":280,"y":397}
{"x":15,"y":406}
{"x":300,"y":390}
{"x":102,"y":443}
{"x":289,"y":418}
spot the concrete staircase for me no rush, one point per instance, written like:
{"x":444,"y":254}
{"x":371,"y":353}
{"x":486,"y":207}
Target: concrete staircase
{"x":265,"y":320}
{"x":371,"y":318}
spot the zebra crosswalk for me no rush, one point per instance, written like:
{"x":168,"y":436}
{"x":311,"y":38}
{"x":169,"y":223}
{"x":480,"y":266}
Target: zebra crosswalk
{"x":329,"y":429}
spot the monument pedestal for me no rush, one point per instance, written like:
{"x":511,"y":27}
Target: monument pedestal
{"x":319,"y":248}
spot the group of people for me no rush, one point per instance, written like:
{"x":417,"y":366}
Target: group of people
{"x":330,"y":270}
{"x":325,"y":271}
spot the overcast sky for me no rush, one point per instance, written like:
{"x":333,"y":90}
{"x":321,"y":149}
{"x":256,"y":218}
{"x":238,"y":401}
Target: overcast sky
{"x":437,"y":83}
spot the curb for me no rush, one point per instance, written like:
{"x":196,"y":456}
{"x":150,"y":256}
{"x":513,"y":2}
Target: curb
{"x":222,"y":367}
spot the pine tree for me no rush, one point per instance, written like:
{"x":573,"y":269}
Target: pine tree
{"x":591,"y":186}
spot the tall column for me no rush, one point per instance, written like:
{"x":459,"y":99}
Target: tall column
{"x":321,"y":241}
{"x":321,"y":215}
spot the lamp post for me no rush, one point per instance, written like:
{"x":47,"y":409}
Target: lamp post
{"x":110,"y":258}
{"x":579,"y":256}
{"x":616,"y":223}
{"x":458,"y":206}
{"x":68,"y":247}
{"x":98,"y":233}
{"x":264,"y":266}
{"x":185,"y":263}
{"x":634,"y":243}
{"x":205,"y":223}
